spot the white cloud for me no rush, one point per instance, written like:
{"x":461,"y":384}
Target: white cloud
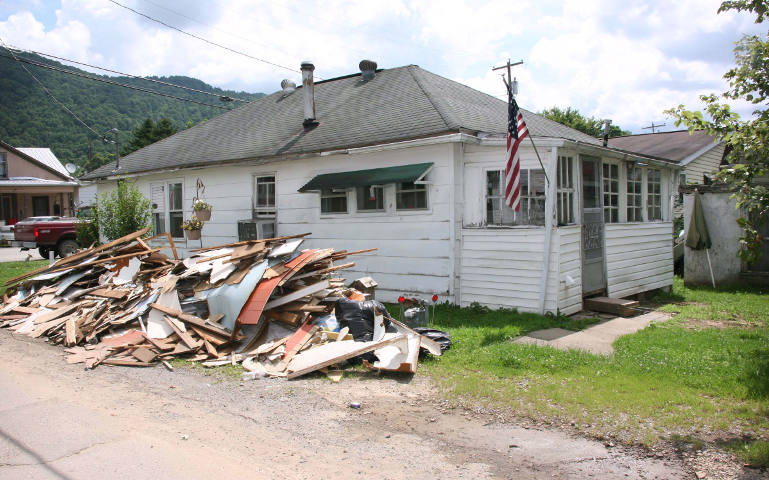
{"x":624,"y":60}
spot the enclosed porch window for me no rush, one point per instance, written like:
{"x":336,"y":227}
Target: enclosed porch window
{"x":532,"y":211}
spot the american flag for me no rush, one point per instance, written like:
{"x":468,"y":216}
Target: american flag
{"x":516,"y":132}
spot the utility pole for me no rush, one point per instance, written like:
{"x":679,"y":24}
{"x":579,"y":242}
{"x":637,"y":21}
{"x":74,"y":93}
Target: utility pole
{"x":117,"y":148}
{"x":653,"y":126}
{"x":509,"y":82}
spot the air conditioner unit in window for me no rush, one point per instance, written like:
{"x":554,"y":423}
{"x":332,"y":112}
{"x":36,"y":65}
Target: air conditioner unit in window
{"x":255,"y":229}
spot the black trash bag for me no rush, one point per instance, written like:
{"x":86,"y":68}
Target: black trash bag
{"x":443,"y":338}
{"x":359,"y":317}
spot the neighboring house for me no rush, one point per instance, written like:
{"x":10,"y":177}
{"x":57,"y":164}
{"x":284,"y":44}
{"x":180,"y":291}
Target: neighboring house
{"x":33,"y":182}
{"x":412,"y":163}
{"x":698,"y":153}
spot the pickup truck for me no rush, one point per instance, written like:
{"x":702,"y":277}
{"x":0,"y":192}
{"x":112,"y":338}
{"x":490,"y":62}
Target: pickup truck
{"x":47,"y":234}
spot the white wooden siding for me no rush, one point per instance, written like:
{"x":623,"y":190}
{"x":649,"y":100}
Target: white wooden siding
{"x":569,"y":263}
{"x":639,"y":257}
{"x":705,"y":163}
{"x":502,"y":268}
{"x":413,"y":255}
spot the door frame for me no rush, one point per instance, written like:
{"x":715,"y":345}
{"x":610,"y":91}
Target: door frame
{"x":599,"y":210}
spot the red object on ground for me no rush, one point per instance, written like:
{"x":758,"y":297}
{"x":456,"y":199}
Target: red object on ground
{"x":252,"y":310}
{"x":435,"y":298}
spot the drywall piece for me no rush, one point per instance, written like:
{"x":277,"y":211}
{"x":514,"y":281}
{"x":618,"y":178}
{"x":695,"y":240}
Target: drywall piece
{"x":302,"y":292}
{"x":430,"y":345}
{"x":334,"y":352}
{"x":66,"y":282}
{"x":285,"y":249}
{"x":228,"y":300}
{"x":221,"y":270}
{"x":157,"y":327}
{"x":127,"y":274}
{"x":402,"y":356}
{"x":379,"y":328}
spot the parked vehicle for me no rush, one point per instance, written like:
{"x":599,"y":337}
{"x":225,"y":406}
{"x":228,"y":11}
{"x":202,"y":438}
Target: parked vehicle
{"x":47,"y":234}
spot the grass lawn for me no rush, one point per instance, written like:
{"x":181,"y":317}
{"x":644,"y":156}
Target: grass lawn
{"x":701,"y":377}
{"x":10,"y":270}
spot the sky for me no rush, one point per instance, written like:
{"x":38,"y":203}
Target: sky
{"x":626,"y":61}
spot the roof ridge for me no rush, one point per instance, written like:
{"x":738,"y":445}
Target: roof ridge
{"x":433,"y":102}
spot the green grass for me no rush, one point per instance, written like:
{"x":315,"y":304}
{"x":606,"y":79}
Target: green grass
{"x":223,"y":372}
{"x":10,"y":270}
{"x":680,"y":378}
{"x":753,"y":452}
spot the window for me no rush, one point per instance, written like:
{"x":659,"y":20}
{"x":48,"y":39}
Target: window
{"x":565,"y":190}
{"x":411,"y":196}
{"x":333,"y":201}
{"x":610,"y":193}
{"x":175,"y":210}
{"x":370,"y":198}
{"x":634,"y":194}
{"x":654,"y":194}
{"x":3,"y":165}
{"x":264,"y":197}
{"x":158,"y":199}
{"x":532,"y":211}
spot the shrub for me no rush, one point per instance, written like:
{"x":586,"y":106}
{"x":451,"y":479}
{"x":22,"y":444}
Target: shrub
{"x":123,"y":210}
{"x":87,"y":229}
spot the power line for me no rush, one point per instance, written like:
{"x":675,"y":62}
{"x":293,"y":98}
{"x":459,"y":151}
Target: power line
{"x":111,"y":82}
{"x":203,"y":39}
{"x":224,"y":98}
{"x":48,"y":91}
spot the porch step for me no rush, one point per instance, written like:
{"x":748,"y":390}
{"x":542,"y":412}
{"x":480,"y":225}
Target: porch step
{"x":617,"y":306}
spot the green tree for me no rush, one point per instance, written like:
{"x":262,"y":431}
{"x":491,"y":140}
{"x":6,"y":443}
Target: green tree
{"x":149,"y":132}
{"x":747,"y":140}
{"x":122,"y":210}
{"x":589,"y":125}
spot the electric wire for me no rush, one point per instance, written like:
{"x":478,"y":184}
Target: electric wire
{"x":48,"y":91}
{"x":111,"y":82}
{"x":204,"y":39}
{"x":221,"y":97}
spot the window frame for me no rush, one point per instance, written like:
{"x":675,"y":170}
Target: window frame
{"x":3,"y":164}
{"x":639,"y":207}
{"x":650,"y":196}
{"x":330,"y":193}
{"x":380,"y":197}
{"x":525,"y":196}
{"x":264,"y":211}
{"x":170,"y":210}
{"x":565,"y":195}
{"x":418,"y":188}
{"x":608,"y":192}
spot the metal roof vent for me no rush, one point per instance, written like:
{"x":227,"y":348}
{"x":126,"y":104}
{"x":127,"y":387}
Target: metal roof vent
{"x":367,"y":68}
{"x":288,"y":87}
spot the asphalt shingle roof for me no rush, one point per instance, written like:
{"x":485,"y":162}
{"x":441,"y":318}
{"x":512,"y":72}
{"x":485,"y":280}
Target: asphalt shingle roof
{"x":675,"y":146}
{"x":397,"y":104}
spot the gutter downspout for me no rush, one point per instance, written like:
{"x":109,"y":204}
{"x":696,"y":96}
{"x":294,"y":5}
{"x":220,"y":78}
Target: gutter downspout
{"x":549,"y":217}
{"x":455,"y":152}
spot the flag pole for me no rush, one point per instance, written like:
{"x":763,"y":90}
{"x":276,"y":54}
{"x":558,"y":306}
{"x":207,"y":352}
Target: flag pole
{"x":509,"y":86}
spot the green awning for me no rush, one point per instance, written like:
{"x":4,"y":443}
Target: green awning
{"x":372,"y":176}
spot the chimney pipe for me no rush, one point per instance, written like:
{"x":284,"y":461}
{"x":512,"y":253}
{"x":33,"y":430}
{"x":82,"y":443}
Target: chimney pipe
{"x":308,"y":91}
{"x":606,"y":124}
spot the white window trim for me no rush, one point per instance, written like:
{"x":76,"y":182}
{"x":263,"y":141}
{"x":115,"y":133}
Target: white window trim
{"x":372,"y":211}
{"x":661,"y":195}
{"x":619,"y":191}
{"x":254,"y":177}
{"x":573,"y":190}
{"x":350,"y":193}
{"x":168,"y":206}
{"x":427,"y":197}
{"x":485,"y":198}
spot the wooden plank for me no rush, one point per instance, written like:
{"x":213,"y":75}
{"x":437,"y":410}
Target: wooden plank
{"x":144,"y":354}
{"x":210,"y":337}
{"x":616,"y":306}
{"x":184,"y":336}
{"x":81,"y":255}
{"x":332,"y":353}
{"x":255,"y":305}
{"x":107,"y":293}
{"x":193,"y":320}
{"x":302,"y":292}
{"x":125,"y":363}
{"x":295,"y":343}
{"x":246,"y":242}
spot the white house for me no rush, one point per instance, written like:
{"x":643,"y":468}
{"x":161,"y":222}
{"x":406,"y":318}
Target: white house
{"x":411,"y":163}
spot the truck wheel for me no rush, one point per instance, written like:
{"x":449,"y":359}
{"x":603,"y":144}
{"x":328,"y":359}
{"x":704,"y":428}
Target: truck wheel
{"x":43,"y":251}
{"x":66,"y":248}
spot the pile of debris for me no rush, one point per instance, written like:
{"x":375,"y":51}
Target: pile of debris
{"x":277,"y":309}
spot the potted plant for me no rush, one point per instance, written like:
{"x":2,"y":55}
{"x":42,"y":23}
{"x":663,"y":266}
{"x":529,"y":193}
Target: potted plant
{"x":202,"y":210}
{"x":192,"y":228}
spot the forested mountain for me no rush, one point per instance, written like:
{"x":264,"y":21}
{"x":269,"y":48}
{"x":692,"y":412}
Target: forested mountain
{"x":30,"y":118}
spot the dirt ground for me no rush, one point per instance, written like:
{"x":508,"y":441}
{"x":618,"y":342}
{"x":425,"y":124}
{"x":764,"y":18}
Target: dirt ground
{"x":58,"y":421}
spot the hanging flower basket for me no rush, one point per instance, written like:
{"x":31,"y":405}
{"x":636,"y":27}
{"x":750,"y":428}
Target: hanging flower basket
{"x":192,"y":228}
{"x":202,"y":210}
